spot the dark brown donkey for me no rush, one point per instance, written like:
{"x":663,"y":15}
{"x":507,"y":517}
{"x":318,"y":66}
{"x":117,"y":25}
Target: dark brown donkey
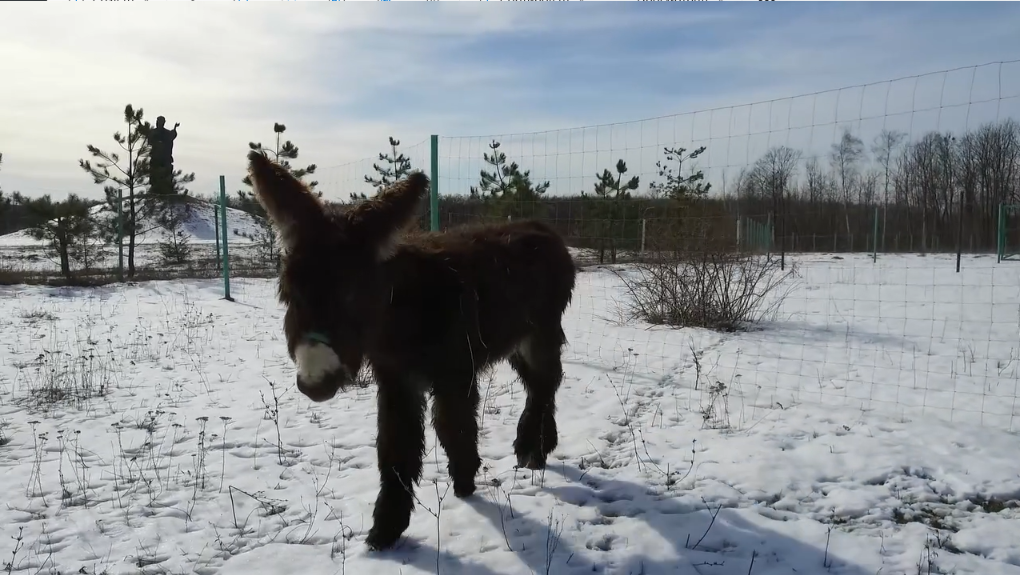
{"x":428,"y":311}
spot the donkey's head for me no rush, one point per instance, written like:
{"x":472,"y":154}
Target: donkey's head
{"x":331,"y":280}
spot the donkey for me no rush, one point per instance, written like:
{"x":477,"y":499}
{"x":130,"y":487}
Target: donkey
{"x":427,"y":312}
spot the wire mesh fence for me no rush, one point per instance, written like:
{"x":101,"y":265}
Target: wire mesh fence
{"x":864,"y":194}
{"x":856,"y":205}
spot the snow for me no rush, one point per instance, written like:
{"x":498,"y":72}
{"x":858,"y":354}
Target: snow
{"x":21,"y":252}
{"x":871,"y":428}
{"x":198,"y":226}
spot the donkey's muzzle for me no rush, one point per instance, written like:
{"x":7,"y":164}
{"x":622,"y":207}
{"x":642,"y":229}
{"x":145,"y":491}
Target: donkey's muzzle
{"x":325,"y":388}
{"x":320,"y":374}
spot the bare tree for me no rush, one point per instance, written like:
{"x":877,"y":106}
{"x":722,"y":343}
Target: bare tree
{"x":868,"y":186}
{"x":817,"y":184}
{"x":845,"y":158}
{"x":884,"y":147}
{"x":997,"y":164}
{"x":773,"y":173}
{"x":773,"y":176}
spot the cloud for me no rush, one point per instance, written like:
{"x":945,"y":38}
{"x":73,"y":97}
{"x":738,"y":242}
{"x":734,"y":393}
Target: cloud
{"x":343,"y":78}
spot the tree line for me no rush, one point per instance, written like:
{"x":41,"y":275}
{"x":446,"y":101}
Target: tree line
{"x":926,"y":194}
{"x":931,"y":189}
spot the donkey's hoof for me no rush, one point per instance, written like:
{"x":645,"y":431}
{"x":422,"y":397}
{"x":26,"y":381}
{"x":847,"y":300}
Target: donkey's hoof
{"x":462,"y":490}
{"x":531,"y":461}
{"x":381,"y":538}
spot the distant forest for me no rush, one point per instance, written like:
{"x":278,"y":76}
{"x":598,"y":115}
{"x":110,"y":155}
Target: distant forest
{"x":918,"y":189}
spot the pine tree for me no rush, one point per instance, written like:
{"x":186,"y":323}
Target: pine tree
{"x":508,"y":190}
{"x":283,"y":152}
{"x":67,"y":227}
{"x":132,"y":176}
{"x":397,"y":166}
{"x":676,"y":186}
{"x":172,"y":210}
{"x":682,"y":190}
{"x":608,"y":206}
{"x":175,"y":247}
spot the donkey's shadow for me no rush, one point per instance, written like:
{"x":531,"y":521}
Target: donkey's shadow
{"x":698,"y":544}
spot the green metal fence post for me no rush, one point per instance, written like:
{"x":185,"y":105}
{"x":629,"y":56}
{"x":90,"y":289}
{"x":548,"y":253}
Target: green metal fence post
{"x":223,"y":232}
{"x":874,"y":239}
{"x":999,"y":238}
{"x":434,"y":185}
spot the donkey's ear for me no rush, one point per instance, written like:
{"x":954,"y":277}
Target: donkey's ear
{"x":379,"y":222}
{"x":291,"y":206}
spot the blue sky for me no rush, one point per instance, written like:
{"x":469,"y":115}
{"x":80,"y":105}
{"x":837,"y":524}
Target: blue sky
{"x":343,"y":77}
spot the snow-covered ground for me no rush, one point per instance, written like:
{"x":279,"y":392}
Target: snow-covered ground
{"x":871,"y":428}
{"x":20,"y":252}
{"x":37,"y":259}
{"x":198,"y":226}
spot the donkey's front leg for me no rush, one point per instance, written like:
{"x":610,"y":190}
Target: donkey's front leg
{"x":400,"y":447}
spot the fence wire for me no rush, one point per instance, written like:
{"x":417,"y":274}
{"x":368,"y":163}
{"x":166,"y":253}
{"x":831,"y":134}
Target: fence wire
{"x":864,"y":195}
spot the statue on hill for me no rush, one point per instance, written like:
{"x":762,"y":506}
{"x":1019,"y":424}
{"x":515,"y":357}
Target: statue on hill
{"x":161,"y":158}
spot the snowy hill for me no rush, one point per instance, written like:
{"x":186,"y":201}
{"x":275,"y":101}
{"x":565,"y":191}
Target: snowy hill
{"x":198,"y":225}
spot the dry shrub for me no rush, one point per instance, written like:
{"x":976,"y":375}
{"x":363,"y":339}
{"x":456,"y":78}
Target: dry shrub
{"x":696,"y":277}
{"x":73,"y":375}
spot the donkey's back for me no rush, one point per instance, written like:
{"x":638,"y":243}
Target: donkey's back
{"x":486,"y":288}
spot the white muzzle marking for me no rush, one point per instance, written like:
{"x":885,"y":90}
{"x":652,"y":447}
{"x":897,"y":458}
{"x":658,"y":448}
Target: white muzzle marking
{"x":314,"y":362}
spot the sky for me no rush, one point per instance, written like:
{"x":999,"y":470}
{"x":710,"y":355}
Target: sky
{"x":344,"y":77}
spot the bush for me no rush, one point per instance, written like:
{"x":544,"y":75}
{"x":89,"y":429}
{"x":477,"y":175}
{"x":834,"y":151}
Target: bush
{"x":710,"y":286}
{"x":73,"y":375}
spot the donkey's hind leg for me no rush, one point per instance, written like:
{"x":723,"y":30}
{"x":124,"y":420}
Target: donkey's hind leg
{"x":537,"y":362}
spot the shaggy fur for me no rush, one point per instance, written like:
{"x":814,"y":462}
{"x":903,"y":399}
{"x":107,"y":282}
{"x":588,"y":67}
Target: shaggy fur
{"x":428,"y":312}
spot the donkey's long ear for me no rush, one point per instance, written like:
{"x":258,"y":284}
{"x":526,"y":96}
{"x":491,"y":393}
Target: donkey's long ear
{"x":379,"y":222}
{"x":291,"y":206}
